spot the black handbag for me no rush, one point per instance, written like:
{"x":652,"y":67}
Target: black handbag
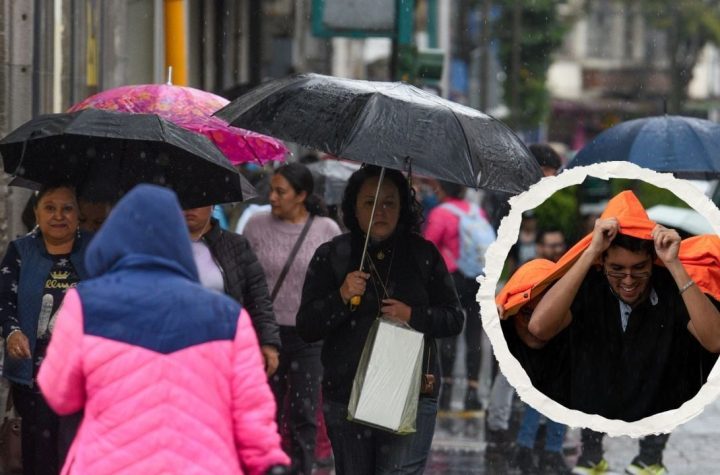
{"x":10,"y":440}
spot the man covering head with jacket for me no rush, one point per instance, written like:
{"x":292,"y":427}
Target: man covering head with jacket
{"x":638,"y":312}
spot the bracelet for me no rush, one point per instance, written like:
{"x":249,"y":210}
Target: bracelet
{"x":687,"y":286}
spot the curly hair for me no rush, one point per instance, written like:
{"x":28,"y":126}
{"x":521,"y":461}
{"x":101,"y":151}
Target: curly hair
{"x":411,"y":217}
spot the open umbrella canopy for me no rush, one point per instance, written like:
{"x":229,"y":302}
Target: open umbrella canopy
{"x":104,"y":154}
{"x":685,"y":146}
{"x":331,"y":177}
{"x":393,"y":125}
{"x":191,"y":109}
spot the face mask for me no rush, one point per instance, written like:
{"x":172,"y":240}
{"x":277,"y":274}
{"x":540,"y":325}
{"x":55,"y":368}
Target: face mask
{"x":428,"y":199}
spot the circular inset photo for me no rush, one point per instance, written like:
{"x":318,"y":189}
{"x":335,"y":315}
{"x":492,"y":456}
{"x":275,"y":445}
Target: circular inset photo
{"x":602,"y":298}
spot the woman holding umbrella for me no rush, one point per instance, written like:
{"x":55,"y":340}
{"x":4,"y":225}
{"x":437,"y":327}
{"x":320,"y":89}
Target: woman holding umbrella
{"x":284,"y":240}
{"x":37,"y":271}
{"x":406,"y":280}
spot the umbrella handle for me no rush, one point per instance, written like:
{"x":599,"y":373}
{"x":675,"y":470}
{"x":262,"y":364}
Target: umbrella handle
{"x":355,"y":300}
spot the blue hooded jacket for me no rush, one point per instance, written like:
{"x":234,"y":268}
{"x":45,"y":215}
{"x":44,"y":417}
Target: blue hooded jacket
{"x":144,"y":288}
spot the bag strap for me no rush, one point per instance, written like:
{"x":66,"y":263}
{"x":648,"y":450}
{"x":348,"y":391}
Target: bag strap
{"x":9,"y":403}
{"x":457,"y":211}
{"x":291,"y":258}
{"x":430,"y":348}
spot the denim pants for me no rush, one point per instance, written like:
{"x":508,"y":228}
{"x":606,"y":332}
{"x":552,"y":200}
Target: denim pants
{"x":364,"y":450}
{"x":554,"y":435}
{"x":296,"y":386}
{"x":467,"y":293}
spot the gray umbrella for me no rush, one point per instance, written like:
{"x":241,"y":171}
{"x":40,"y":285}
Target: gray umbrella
{"x":331,"y":176}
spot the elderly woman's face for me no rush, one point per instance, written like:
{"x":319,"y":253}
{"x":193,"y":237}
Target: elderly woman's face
{"x":57,"y":215}
{"x":387,"y":211}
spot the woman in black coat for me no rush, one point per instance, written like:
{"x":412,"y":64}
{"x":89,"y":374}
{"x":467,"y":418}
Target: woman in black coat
{"x":405,"y":279}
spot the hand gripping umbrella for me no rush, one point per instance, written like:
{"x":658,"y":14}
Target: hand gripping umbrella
{"x":392,"y":125}
{"x":191,"y":109}
{"x":685,"y":146}
{"x":106,"y":153}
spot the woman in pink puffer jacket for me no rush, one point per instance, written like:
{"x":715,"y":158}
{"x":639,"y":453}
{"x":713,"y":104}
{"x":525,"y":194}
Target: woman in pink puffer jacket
{"x":169,"y":375}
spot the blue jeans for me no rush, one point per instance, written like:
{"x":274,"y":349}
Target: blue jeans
{"x":364,"y":450}
{"x":296,"y":385}
{"x":554,"y":432}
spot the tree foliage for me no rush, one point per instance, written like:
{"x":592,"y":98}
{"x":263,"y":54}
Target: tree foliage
{"x":525,"y":53}
{"x":690,"y":25}
{"x":560,"y":211}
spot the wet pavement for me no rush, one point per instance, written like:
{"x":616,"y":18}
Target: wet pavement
{"x":693,"y":449}
{"x":459,"y":442}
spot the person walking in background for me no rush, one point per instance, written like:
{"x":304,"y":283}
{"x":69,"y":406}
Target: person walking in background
{"x":498,"y":435}
{"x":37,"y":271}
{"x":169,"y":374}
{"x":93,"y":214}
{"x":454,"y":226}
{"x":407,"y":281}
{"x":496,"y":203}
{"x":226,"y":263}
{"x":551,"y":246}
{"x":284,"y":241}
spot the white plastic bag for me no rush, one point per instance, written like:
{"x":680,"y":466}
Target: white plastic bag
{"x":386,"y":387}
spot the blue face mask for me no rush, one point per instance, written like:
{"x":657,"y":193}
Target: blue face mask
{"x":428,"y":200}
{"x":252,"y":167}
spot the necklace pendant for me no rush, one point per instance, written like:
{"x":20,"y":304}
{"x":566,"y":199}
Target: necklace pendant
{"x":380,"y":255}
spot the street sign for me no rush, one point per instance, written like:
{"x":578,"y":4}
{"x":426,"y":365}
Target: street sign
{"x":353,"y":18}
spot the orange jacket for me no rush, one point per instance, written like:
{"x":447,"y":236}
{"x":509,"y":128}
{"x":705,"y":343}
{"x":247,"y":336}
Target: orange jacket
{"x":699,"y":254}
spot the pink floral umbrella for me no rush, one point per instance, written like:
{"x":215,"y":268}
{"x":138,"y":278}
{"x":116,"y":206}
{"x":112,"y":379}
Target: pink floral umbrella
{"x":191,"y":109}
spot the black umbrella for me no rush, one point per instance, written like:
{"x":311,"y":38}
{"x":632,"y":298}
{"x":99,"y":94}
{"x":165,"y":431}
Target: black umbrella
{"x":106,"y":153}
{"x":392,"y":125}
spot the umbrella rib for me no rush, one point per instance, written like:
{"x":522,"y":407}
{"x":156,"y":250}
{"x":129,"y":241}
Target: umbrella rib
{"x":467,"y":142}
{"x":698,"y":137}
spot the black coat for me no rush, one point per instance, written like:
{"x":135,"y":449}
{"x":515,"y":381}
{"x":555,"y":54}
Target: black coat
{"x":244,"y":280}
{"x":417,"y":277}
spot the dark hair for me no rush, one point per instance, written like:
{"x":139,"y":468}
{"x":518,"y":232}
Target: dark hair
{"x":410,"y":210}
{"x":452,"y":189}
{"x":301,"y":180}
{"x":48,"y":187}
{"x":546,"y":156}
{"x":309,"y":158}
{"x":540,"y":236}
{"x":633,"y":244}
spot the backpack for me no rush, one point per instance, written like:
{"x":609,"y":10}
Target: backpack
{"x":475,"y":234}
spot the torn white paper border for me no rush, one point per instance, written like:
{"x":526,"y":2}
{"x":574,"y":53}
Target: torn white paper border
{"x":495,"y":260}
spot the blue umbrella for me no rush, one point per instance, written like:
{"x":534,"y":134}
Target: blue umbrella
{"x":685,"y":146}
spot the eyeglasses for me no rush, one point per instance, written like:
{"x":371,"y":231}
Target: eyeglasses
{"x":635,"y":275}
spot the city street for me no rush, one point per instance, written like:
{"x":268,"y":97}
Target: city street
{"x":459,"y":445}
{"x":691,"y":450}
